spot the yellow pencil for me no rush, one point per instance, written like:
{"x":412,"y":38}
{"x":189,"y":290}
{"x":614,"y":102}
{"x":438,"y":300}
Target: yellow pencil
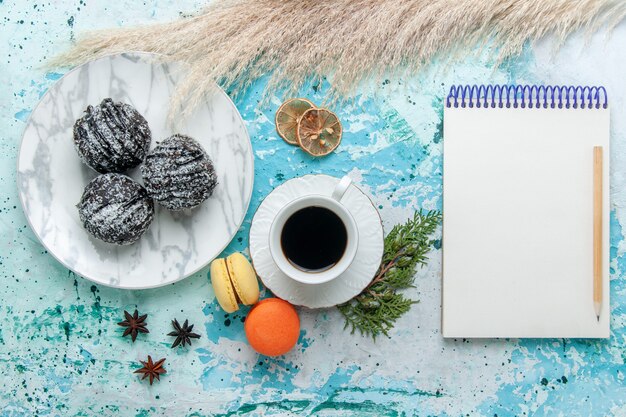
{"x":597,"y":230}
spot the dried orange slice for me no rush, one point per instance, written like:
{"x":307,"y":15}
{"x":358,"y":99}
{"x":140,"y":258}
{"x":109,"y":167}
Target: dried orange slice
{"x":318,"y":132}
{"x":287,"y":117}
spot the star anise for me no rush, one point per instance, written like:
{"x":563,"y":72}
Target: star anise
{"x":134,"y":324}
{"x":151,"y":369}
{"x":183,"y":333}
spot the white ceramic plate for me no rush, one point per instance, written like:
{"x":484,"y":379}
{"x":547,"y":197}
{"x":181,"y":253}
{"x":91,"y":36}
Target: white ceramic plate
{"x":51,"y":177}
{"x":351,"y":282}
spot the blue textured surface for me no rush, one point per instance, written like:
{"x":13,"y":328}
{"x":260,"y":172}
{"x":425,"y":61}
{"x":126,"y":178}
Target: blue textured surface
{"x":61,"y":353}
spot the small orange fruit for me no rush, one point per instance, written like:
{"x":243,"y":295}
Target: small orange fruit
{"x":272,"y":327}
{"x":287,"y":117}
{"x":318,"y":132}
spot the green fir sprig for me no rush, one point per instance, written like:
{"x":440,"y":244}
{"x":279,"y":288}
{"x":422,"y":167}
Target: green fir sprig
{"x":377,"y":308}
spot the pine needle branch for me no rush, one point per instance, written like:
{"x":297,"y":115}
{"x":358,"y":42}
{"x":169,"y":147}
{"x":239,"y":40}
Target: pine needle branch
{"x":380,"y":305}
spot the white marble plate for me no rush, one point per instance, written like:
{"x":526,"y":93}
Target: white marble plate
{"x":51,"y":177}
{"x":351,"y":282}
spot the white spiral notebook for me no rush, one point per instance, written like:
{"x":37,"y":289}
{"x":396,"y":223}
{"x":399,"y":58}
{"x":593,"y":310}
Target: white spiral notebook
{"x":518,"y":211}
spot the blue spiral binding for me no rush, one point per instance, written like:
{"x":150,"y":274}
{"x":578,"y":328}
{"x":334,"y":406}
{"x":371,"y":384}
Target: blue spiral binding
{"x":527,"y":96}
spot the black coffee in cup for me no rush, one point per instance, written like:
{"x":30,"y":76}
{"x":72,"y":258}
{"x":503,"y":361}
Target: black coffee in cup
{"x":314,"y":239}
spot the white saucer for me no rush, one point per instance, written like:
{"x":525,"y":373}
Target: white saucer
{"x":341,"y":289}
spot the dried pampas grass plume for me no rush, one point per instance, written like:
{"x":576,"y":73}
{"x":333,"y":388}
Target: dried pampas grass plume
{"x":235,"y":42}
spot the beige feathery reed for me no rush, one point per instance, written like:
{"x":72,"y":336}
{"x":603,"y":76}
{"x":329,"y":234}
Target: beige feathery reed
{"x":235,"y":42}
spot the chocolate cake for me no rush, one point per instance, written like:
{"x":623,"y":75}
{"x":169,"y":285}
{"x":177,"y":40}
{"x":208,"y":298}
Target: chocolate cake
{"x":112,"y":137}
{"x":178,"y":173}
{"x":115,"y":209}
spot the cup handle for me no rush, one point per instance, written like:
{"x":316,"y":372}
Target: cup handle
{"x":341,"y":188}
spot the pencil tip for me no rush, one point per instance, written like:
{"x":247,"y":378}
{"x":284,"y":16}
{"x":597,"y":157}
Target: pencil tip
{"x":598,"y":317}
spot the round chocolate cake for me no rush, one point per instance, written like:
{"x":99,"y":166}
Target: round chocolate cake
{"x":178,"y":173}
{"x":115,"y":209}
{"x":112,"y":137}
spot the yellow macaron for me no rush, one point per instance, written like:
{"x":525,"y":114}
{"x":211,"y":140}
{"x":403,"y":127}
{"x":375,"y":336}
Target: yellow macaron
{"x":234,"y":282}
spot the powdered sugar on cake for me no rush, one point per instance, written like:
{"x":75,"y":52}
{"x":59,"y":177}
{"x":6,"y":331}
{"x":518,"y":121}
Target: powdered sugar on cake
{"x":115,"y":209}
{"x":178,"y":173}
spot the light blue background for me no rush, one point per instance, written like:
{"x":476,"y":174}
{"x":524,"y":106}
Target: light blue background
{"x":61,"y":353}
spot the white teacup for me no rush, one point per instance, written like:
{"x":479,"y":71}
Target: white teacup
{"x":332,"y":203}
